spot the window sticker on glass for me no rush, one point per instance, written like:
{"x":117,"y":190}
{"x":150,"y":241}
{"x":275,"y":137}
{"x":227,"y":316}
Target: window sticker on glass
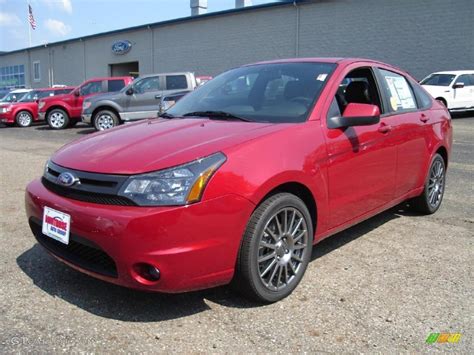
{"x":401,"y":97}
{"x":322,"y":77}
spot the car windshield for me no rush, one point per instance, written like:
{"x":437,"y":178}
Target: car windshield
{"x":277,"y":93}
{"x":13,"y":97}
{"x":438,"y":79}
{"x":31,"y":96}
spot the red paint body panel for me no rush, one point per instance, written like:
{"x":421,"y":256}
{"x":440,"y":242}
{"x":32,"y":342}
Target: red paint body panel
{"x":352,"y":174}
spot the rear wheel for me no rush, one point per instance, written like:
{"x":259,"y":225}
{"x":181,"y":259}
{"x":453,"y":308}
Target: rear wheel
{"x":275,"y":250}
{"x":430,"y":200}
{"x":105,"y":119}
{"x":58,"y":119}
{"x":24,"y":119}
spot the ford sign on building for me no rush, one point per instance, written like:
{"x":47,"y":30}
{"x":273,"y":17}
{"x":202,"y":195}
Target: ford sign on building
{"x":121,"y":47}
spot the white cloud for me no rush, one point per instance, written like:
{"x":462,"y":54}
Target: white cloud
{"x":57,"y":27}
{"x":7,"y":19}
{"x":65,"y":5}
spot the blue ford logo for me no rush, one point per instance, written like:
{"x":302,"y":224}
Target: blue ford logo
{"x":67,"y":179}
{"x":121,"y":47}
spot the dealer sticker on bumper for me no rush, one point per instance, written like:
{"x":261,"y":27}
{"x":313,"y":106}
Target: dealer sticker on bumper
{"x":56,"y":225}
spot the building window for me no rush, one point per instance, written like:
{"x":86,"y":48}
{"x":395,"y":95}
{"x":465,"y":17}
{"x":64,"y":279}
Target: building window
{"x":12,"y":77}
{"x":36,"y":71}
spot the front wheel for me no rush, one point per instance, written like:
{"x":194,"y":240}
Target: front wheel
{"x":430,"y":200}
{"x":276,"y":249}
{"x":58,"y":119}
{"x":24,"y":119}
{"x":105,"y":119}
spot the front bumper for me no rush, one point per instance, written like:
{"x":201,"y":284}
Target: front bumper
{"x":86,"y":118}
{"x":194,"y":247}
{"x":7,"y":117}
{"x":41,"y":116}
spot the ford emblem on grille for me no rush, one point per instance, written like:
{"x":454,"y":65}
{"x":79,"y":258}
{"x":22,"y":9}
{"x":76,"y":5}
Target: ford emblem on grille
{"x":67,"y":179}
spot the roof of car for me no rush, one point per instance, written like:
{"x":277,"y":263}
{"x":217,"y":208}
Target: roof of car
{"x":338,"y":60}
{"x":58,"y":88}
{"x":455,"y":72}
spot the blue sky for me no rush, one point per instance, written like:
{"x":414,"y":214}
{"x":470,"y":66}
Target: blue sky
{"x":58,"y":20}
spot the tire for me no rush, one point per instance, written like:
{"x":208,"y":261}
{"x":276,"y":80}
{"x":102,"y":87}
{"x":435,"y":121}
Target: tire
{"x":105,"y":119}
{"x":24,"y":119}
{"x":432,"y":196}
{"x":58,"y":119}
{"x":274,"y":255}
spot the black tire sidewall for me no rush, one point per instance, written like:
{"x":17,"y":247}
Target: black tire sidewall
{"x":283,"y":200}
{"x":111,"y":113}
{"x":18,"y":116}
{"x":66,"y":118}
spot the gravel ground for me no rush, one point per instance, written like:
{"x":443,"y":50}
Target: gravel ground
{"x":381,"y":286}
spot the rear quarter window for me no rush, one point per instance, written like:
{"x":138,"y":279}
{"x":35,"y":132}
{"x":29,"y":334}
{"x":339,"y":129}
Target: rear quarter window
{"x":176,"y":82}
{"x":115,"y":85}
{"x":423,"y":99}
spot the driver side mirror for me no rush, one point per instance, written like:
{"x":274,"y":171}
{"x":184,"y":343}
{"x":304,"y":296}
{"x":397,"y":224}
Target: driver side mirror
{"x":356,"y":115}
{"x":458,"y":86}
{"x":129,"y":91}
{"x":77,"y":93}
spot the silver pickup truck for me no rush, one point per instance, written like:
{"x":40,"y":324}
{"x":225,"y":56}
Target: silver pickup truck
{"x":140,"y":100}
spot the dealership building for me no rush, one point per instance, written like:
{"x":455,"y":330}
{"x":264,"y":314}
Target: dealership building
{"x":420,"y":36}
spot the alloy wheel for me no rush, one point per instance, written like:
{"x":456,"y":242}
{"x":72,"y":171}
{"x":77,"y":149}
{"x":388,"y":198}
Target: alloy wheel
{"x":436,"y":184}
{"x":57,"y":119}
{"x":105,"y":121}
{"x":24,"y":119}
{"x":281,"y":248}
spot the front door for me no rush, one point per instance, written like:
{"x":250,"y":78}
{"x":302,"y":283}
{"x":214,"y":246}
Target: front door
{"x":145,"y":100}
{"x":463,"y":96}
{"x":362,"y":159}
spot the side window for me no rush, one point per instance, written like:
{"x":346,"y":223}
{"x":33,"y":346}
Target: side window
{"x":147,"y":85}
{"x":359,"y":86}
{"x":115,"y":85}
{"x":422,"y":97}
{"x":93,"y":87}
{"x":176,"y":82}
{"x":399,"y":94}
{"x":465,"y":79}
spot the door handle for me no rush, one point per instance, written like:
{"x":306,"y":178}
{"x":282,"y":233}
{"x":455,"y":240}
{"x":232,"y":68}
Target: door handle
{"x":385,"y":128}
{"x":424,"y":118}
{"x":157,"y":97}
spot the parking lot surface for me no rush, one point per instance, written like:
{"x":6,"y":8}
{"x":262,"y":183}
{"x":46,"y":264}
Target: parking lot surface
{"x":381,"y":286}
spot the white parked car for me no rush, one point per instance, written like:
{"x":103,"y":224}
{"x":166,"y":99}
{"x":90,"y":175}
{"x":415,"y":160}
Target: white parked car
{"x":454,"y":88}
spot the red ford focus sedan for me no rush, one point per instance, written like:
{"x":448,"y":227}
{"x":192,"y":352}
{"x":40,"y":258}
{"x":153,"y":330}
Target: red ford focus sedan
{"x":240,"y":179}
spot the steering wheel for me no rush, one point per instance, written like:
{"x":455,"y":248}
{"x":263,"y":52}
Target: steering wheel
{"x":302,"y":100}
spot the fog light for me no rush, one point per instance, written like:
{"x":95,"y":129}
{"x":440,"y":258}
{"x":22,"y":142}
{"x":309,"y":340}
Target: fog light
{"x":148,"y":272}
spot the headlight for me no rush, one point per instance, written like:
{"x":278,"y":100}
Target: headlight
{"x":180,"y":185}
{"x":41,"y":105}
{"x":5,"y":109}
{"x":86,"y":105}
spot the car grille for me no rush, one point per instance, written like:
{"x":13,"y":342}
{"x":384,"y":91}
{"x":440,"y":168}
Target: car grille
{"x":79,"y":251}
{"x":94,"y":188}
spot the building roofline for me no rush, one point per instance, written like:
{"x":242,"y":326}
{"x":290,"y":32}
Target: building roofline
{"x":160,"y":24}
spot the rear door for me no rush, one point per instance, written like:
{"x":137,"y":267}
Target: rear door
{"x":410,"y":127}
{"x":145,"y":100}
{"x":362,"y":159}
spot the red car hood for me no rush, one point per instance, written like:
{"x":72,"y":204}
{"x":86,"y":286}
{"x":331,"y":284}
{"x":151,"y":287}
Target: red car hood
{"x":156,"y":144}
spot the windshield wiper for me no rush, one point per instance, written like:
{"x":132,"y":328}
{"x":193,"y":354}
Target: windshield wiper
{"x":217,"y":115}
{"x":166,"y":115}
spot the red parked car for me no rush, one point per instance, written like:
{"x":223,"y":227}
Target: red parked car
{"x":25,"y":111}
{"x":65,"y":110}
{"x":243,"y":176}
